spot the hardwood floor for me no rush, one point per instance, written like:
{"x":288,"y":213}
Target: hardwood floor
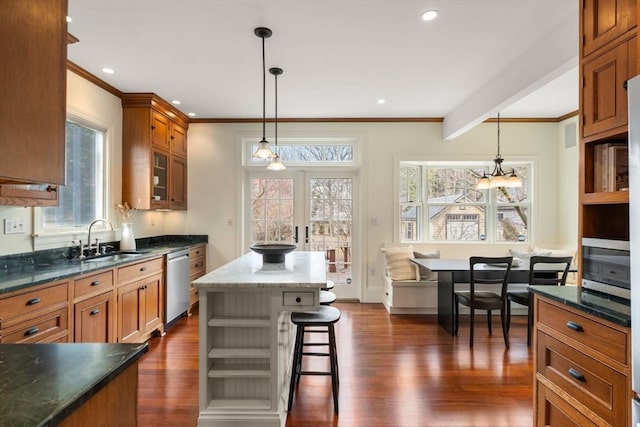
{"x":395,"y":371}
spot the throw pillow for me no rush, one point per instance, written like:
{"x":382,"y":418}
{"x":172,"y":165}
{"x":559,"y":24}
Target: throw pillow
{"x":424,"y":272}
{"x":397,"y":263}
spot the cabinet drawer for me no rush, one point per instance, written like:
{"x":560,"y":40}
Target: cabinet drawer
{"x":197,"y":252}
{"x":198,"y":265}
{"x":94,"y":284}
{"x":37,"y":329}
{"x":292,"y":299}
{"x":599,"y":336}
{"x":556,"y":412}
{"x":141,"y":269}
{"x":595,"y":385}
{"x":31,"y":302}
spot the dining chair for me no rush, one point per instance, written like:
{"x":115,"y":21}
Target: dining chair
{"x":525,"y":298}
{"x":484,"y":300}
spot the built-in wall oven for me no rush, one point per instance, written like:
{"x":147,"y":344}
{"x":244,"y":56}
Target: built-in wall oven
{"x":606,"y":266}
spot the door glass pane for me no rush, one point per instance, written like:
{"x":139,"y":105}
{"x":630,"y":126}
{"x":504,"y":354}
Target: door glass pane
{"x":272,"y":209}
{"x":331,"y":213}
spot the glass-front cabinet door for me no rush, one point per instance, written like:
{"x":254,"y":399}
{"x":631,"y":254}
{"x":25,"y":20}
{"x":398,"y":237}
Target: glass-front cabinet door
{"x":160,"y":180}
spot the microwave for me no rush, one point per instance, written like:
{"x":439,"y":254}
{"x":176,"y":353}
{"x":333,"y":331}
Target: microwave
{"x":606,"y":266}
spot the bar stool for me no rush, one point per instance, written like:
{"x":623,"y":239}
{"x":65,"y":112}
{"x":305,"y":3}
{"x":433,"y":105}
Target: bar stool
{"x":327,"y":316}
{"x":330,"y":285}
{"x":327,"y":297}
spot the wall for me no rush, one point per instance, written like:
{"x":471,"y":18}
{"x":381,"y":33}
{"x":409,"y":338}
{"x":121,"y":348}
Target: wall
{"x":215,"y":182}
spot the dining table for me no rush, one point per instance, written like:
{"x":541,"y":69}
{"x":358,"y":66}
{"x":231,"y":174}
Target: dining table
{"x":456,"y":270}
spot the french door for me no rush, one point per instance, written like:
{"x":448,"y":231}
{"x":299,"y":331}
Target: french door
{"x":316,"y":210}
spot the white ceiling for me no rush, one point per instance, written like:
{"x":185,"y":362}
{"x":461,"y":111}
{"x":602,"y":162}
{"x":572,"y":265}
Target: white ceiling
{"x":480,"y":57}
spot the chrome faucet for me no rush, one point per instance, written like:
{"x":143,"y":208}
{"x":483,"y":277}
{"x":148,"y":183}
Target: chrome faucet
{"x":89,"y":245}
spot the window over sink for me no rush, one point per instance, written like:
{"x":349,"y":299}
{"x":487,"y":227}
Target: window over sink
{"x":83,"y":198}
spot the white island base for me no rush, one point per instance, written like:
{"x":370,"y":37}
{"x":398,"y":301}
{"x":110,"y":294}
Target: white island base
{"x":246,"y":337}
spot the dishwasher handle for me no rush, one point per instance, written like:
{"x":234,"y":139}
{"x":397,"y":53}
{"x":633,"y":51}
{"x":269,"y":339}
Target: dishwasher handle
{"x":176,"y":259}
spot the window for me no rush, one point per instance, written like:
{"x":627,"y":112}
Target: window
{"x":439,"y":202}
{"x":81,"y":200}
{"x":307,"y":152}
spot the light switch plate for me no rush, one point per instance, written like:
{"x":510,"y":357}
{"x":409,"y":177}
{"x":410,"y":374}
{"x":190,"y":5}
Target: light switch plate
{"x":13,"y":226}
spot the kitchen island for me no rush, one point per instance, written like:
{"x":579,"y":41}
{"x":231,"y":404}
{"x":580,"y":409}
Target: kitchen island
{"x":246,"y":337}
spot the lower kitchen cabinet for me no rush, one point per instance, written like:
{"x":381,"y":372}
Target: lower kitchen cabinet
{"x":140,"y":303}
{"x":36,"y":315}
{"x":93,"y":319}
{"x":197,"y":269}
{"x":581,"y":368}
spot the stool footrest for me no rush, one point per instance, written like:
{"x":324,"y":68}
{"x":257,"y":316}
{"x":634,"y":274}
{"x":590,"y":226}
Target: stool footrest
{"x":315,"y":373}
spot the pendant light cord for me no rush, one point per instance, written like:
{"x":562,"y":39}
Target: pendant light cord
{"x":276,"y":115}
{"x":264,"y":93}
{"x":498,"y":135}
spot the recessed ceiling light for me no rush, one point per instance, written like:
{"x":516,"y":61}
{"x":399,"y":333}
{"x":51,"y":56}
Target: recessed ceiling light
{"x":69,"y":19}
{"x":381,"y":101}
{"x":430,"y":15}
{"x":191,"y":114}
{"x":175,"y":102}
{"x":108,"y":70}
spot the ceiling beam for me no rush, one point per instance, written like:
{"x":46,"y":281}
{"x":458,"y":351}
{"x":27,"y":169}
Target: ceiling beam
{"x":546,"y":60}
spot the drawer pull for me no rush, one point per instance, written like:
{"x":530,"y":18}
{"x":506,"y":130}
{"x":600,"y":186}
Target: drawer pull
{"x":576,"y":374}
{"x":574,"y":326}
{"x":33,"y":301}
{"x":143,"y":269}
{"x":95,"y":283}
{"x":298,"y":299}
{"x":94,"y":312}
{"x":31,"y":331}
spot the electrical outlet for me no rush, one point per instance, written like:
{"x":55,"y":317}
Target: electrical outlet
{"x":13,"y":226}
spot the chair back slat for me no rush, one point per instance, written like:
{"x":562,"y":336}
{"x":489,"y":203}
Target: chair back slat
{"x":504,"y":262}
{"x":539,"y":277}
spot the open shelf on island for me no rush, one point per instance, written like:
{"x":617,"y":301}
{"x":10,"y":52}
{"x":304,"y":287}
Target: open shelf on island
{"x":247,"y":353}
{"x":239,"y":322}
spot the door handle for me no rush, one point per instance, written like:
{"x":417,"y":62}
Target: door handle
{"x":295,"y":236}
{"x":306,"y":234}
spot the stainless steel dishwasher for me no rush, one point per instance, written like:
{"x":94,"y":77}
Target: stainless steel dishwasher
{"x":177,"y":287}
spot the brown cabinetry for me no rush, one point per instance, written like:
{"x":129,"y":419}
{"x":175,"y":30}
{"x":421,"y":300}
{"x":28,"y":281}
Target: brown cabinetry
{"x":197,"y":269}
{"x":154,"y":153}
{"x":33,"y":101}
{"x":36,"y":315}
{"x":140,"y":293}
{"x":94,"y":308}
{"x":582,"y":368}
{"x":608,"y":58}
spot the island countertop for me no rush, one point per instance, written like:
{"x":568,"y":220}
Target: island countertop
{"x":300,"y":269}
{"x":42,"y":384}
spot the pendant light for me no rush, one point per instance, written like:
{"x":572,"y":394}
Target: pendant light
{"x":263,"y":151}
{"x":276,"y":164}
{"x":498,"y":178}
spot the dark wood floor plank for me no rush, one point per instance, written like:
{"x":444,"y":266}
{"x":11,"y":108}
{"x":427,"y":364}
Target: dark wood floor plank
{"x":395,"y":371}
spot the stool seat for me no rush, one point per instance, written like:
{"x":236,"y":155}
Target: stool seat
{"x":330,"y":285}
{"x":327,"y":297}
{"x":326,"y":315}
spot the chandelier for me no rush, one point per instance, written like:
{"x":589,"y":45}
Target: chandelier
{"x":276,"y":164}
{"x":498,"y":178}
{"x":263,"y":151}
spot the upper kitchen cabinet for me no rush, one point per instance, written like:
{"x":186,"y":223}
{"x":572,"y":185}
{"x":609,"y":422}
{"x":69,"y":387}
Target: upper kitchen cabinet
{"x":33,"y":48}
{"x":605,"y":20}
{"x":154,"y":153}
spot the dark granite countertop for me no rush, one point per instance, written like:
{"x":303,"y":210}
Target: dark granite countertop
{"x":41,"y":384}
{"x":604,"y":306}
{"x":25,"y":270}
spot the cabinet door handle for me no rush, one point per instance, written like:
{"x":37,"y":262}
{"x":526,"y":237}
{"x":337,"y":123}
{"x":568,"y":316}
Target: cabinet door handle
{"x":51,"y":188}
{"x":33,"y":301}
{"x":95,"y":283}
{"x":31,"y":331}
{"x":94,"y":312}
{"x":143,"y":268}
{"x":306,"y":234}
{"x":295,"y":236}
{"x":574,"y":326}
{"x":576,"y":374}
{"x":153,"y":127}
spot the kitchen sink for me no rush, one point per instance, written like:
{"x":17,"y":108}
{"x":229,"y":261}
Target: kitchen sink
{"x":115,"y":256}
